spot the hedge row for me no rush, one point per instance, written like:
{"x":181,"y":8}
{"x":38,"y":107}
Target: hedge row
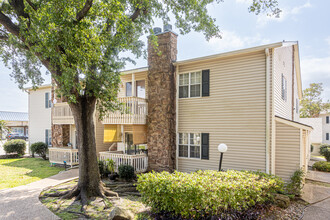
{"x":322,"y":166}
{"x":206,"y":193}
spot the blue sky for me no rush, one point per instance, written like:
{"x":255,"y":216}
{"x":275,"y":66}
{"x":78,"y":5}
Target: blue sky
{"x":301,"y":20}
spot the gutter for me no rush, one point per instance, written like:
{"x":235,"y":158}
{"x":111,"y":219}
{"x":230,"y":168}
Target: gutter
{"x":267,"y":110}
{"x":177,"y":117}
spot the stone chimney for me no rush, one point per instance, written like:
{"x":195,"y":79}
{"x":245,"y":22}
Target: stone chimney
{"x":161,"y":101}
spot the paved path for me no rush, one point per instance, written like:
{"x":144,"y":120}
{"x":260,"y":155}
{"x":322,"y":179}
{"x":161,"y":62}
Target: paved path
{"x":318,"y":176}
{"x":22,"y":202}
{"x":319,"y":198}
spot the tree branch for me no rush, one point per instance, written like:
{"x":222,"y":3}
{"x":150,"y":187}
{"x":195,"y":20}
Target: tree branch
{"x":3,"y":37}
{"x":19,"y":7}
{"x":83,"y":12}
{"x":32,"y":5}
{"x":8,"y":24}
{"x":136,"y":14}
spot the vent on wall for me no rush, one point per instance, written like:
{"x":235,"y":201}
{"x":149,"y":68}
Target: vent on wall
{"x":157,"y":30}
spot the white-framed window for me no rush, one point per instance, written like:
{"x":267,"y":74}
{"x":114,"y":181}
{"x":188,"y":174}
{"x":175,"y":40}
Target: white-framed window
{"x":327,"y":119}
{"x":17,"y":130}
{"x":284,"y":88}
{"x":48,"y":101}
{"x":48,"y":137}
{"x":190,"y":145}
{"x":190,"y":84}
{"x":128,"y":89}
{"x":297,"y":105}
{"x":327,"y":136}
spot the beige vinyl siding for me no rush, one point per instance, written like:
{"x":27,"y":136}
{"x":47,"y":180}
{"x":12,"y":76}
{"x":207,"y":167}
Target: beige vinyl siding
{"x":128,"y":78}
{"x":283,"y":65}
{"x":287,"y":150}
{"x":233,"y":114}
{"x":99,"y":137}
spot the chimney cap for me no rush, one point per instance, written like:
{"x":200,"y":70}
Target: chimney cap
{"x":167,"y":27}
{"x":157,"y":30}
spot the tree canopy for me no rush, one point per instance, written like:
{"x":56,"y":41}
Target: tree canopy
{"x":311,"y":103}
{"x":79,"y":41}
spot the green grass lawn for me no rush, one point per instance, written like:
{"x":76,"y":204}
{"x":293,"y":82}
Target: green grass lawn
{"x":21,"y":171}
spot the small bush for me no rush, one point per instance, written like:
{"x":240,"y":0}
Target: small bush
{"x":15,"y":146}
{"x":294,"y":187}
{"x":39,"y":148}
{"x":206,"y":193}
{"x":325,"y":151}
{"x":126,"y":172}
{"x":322,"y":166}
{"x":102,"y":168}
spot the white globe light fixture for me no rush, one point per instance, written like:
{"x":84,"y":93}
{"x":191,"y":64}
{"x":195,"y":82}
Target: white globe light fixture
{"x":222,"y":148}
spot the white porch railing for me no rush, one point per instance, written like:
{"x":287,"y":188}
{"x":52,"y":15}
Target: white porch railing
{"x":61,"y":114}
{"x":139,"y":161}
{"x":59,"y":155}
{"x":134,"y":112}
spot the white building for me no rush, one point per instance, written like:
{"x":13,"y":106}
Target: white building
{"x":40,"y":114}
{"x":325,"y":127}
{"x":316,"y":134}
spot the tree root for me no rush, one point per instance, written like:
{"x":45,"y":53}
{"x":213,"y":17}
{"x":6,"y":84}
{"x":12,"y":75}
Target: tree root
{"x":82,"y":196}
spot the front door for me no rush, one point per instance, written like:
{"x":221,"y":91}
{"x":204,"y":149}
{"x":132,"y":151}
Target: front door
{"x":130,"y":147}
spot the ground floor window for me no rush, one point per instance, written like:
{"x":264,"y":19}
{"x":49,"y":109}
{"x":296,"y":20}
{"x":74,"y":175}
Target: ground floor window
{"x":327,"y":136}
{"x":48,"y":137}
{"x":17,"y":130}
{"x":190,"y":145}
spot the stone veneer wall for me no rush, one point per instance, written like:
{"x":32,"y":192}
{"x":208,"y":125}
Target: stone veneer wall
{"x":60,"y":135}
{"x":161,"y":103}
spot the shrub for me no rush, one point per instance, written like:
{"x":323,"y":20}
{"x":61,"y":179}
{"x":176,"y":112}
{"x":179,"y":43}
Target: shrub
{"x":39,"y":148}
{"x":111,"y":165}
{"x":294,"y":187}
{"x":325,"y":151}
{"x":15,"y":146}
{"x":206,"y":193}
{"x":126,"y":172}
{"x":322,"y":166}
{"x":102,"y":168}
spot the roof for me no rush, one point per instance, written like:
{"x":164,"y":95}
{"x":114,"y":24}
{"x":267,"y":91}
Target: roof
{"x":14,"y":116}
{"x":293,"y":123}
{"x":38,"y":87}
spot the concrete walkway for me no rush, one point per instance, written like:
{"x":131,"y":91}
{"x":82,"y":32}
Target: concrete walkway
{"x":22,"y":202}
{"x":318,"y":176}
{"x":318,"y":196}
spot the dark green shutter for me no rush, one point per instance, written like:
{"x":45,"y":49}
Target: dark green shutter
{"x":47,"y":100}
{"x":205,"y":146}
{"x":206,"y":83}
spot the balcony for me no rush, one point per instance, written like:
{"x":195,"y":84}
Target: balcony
{"x":134,"y":111}
{"x":59,"y":155}
{"x":61,"y":114}
{"x":139,"y":161}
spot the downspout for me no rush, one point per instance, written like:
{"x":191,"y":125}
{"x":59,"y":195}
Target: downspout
{"x":267,"y":109}
{"x":293,"y":107}
{"x":177,"y":117}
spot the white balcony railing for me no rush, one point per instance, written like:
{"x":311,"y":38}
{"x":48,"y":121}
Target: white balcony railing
{"x":61,"y":114}
{"x":134,"y":111}
{"x":139,"y":161}
{"x":59,"y":155}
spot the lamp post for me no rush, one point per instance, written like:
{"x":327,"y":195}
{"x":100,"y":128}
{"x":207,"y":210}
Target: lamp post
{"x":222,"y":148}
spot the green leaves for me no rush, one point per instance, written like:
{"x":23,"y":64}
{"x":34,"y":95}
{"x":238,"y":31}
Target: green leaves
{"x":212,"y":192}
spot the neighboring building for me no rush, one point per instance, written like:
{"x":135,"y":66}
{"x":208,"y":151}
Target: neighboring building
{"x":40,"y":114}
{"x":317,"y":133}
{"x":17,"y":122}
{"x":325,"y":127}
{"x":180,"y":111}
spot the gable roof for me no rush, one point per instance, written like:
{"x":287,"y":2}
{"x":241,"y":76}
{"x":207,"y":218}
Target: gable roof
{"x":293,"y":123}
{"x":14,"y":116}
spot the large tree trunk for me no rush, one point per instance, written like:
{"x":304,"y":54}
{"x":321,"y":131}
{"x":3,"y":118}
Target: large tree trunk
{"x":89,"y":177}
{"x":89,"y":184}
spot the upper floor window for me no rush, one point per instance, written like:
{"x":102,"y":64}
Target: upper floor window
{"x":327,"y":119}
{"x":284,"y":88}
{"x":48,"y":101}
{"x":297,"y":106}
{"x":190,"y":84}
{"x":128,"y":89}
{"x":140,"y":89}
{"x":48,"y":137}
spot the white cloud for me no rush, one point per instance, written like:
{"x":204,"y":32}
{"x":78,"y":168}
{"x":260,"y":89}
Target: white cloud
{"x":316,"y":70}
{"x":286,"y":13}
{"x":327,"y":40}
{"x":231,"y":41}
